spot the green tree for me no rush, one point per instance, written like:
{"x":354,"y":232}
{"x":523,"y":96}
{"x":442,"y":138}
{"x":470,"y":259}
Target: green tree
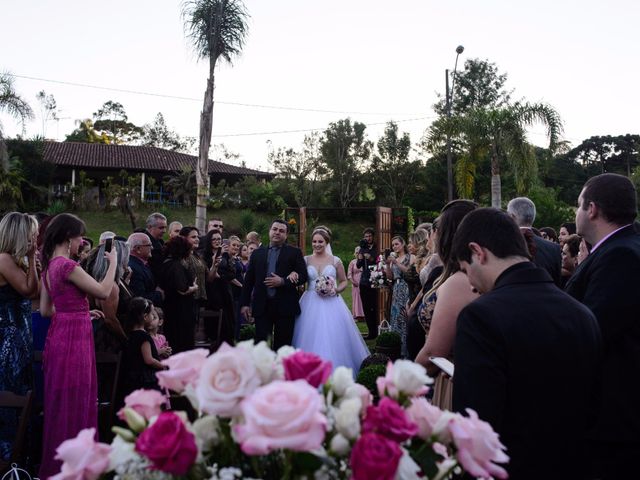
{"x":345,"y":149}
{"x":12,"y":104}
{"x":609,"y":153}
{"x":217,"y":30}
{"x":392,"y":171}
{"x":48,"y":109}
{"x":111,"y":119}
{"x":86,"y":133}
{"x":182,"y":184}
{"x":500,"y":135}
{"x":301,"y":170}
{"x":158,"y":134}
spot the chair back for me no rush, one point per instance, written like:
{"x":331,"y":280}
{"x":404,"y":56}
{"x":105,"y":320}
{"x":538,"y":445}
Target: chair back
{"x":23,"y":404}
{"x":108,"y":370}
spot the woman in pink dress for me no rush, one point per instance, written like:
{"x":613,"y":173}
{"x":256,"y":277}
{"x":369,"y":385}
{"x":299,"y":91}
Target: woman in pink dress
{"x":353,"y":274}
{"x":70,"y":386}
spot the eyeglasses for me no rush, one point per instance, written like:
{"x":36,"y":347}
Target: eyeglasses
{"x":217,"y":226}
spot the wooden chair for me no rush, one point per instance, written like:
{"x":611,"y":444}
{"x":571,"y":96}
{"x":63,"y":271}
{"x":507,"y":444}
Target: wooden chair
{"x":108,"y":369}
{"x":214,"y":315}
{"x":22,"y":403}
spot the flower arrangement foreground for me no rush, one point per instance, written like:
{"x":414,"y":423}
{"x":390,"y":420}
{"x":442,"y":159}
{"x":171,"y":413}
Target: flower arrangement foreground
{"x":261,"y":414}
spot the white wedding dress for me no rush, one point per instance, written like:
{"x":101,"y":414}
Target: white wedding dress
{"x":325,"y":325}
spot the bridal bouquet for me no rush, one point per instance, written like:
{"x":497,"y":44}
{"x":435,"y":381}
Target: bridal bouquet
{"x":326,"y":286}
{"x":261,"y":414}
{"x":378,"y":276}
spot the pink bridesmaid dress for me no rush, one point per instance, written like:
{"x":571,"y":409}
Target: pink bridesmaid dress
{"x":70,"y":383}
{"x":354,"y":274}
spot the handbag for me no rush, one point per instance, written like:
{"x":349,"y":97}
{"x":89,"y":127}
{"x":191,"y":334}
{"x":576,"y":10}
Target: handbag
{"x":384,"y":326}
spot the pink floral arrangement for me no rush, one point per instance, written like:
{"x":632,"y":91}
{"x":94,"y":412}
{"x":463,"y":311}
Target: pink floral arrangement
{"x":378,"y":275}
{"x":263,"y":414}
{"x":326,"y":286}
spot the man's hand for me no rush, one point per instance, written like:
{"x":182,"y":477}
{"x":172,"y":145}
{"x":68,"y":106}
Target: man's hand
{"x":246,"y":313}
{"x":274,"y":281}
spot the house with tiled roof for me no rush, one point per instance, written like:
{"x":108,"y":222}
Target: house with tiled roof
{"x":100,"y":161}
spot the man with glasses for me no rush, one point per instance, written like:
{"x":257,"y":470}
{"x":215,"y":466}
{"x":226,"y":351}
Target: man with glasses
{"x":142,"y":282}
{"x":216,"y":224}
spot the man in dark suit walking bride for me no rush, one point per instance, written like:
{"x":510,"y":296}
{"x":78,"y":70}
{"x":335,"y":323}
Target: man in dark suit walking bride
{"x":269,"y":293}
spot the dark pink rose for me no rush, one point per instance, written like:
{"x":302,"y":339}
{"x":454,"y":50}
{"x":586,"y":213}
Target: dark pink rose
{"x":307,"y":366}
{"x":374,"y":456}
{"x":390,"y":420}
{"x":168,"y":444}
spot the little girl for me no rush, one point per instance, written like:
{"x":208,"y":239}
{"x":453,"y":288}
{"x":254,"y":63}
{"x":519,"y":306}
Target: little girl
{"x":153,"y":329}
{"x":141,"y":357}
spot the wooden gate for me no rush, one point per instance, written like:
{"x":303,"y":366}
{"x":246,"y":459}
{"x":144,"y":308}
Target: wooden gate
{"x":384,"y":231}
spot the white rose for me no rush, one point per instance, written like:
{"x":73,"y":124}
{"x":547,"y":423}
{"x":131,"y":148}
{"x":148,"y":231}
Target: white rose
{"x":347,"y":418}
{"x":341,"y":379}
{"x":282,"y":353}
{"x":340,"y":445}
{"x":121,"y":453}
{"x":226,"y":378}
{"x":206,"y":430}
{"x":408,"y":469}
{"x":409,"y":377}
{"x":265,"y":361}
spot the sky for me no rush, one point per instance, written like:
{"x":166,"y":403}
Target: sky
{"x":372,"y":61}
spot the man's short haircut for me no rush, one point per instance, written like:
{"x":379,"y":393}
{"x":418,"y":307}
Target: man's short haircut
{"x":280,"y":220}
{"x":253,"y":236}
{"x":152,"y":220}
{"x":136,"y":239}
{"x":368,"y":230}
{"x":614,"y":195}
{"x":174,"y":223}
{"x":573,"y":244}
{"x":492,"y":229}
{"x":523,"y":211}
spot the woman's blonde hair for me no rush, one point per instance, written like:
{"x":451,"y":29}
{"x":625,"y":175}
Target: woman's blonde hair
{"x":323,"y":231}
{"x":420,"y":238}
{"x":17,"y":230}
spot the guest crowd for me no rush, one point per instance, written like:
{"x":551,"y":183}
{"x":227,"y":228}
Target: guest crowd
{"x":542,"y":327}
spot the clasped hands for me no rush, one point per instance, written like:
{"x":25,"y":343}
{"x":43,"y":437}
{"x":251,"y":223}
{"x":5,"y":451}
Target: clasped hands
{"x":273,"y":280}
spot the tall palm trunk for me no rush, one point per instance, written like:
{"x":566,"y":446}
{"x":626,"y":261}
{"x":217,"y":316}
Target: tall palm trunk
{"x":496,"y":184}
{"x":202,"y":172}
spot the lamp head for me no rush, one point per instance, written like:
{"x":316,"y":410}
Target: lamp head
{"x":459,"y":49}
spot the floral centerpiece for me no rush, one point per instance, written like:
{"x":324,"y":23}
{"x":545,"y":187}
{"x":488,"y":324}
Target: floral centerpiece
{"x":326,"y":286}
{"x":378,"y":275}
{"x":261,"y":414}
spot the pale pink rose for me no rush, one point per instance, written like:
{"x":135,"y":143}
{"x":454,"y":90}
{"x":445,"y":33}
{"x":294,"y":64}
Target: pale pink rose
{"x":404,"y":376}
{"x":147,"y":403}
{"x":477,"y":446}
{"x":184,"y":369}
{"x":82,"y":457}
{"x":226,"y":378}
{"x":307,"y":366}
{"x":282,"y":414}
{"x":425,"y":415}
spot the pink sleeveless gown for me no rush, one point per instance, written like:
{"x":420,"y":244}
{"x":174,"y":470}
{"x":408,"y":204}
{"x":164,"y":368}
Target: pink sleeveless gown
{"x":70,"y":384}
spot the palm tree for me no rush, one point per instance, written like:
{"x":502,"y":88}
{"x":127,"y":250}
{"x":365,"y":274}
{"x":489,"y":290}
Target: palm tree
{"x":217,"y":29}
{"x":500,"y":134}
{"x":12,"y":104}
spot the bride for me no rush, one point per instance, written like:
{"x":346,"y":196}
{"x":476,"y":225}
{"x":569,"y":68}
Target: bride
{"x":325,"y":325}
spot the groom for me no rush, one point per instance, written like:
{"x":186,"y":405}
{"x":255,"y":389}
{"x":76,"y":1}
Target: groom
{"x":267,"y":294}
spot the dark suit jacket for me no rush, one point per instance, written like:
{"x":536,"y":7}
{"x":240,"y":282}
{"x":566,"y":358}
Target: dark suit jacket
{"x":142,"y":282}
{"x":608,"y":282}
{"x":290,"y":259}
{"x":526,"y":356}
{"x":156,"y":260}
{"x":548,"y":257}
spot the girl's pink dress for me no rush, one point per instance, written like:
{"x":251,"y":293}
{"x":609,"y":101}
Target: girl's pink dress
{"x":69,"y":363}
{"x":354,"y":274}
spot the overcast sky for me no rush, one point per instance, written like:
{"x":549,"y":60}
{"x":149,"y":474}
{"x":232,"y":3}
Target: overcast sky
{"x":370,"y":60}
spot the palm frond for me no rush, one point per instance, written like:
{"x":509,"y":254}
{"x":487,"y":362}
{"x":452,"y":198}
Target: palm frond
{"x":465,"y":173}
{"x":543,"y":114}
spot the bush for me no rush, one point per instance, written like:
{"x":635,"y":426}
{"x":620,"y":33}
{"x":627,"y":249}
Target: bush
{"x":247,"y":332}
{"x":368,"y":376}
{"x":56,"y":207}
{"x":247,"y":221}
{"x":389,"y":340}
{"x":375,"y":359}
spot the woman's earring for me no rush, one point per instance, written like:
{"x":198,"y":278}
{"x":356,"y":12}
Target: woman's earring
{"x":69,"y":248}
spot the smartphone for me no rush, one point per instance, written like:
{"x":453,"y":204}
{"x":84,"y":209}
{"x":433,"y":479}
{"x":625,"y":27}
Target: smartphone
{"x":225,"y":241}
{"x":108,"y":244}
{"x":218,"y":251}
{"x":387,"y":252}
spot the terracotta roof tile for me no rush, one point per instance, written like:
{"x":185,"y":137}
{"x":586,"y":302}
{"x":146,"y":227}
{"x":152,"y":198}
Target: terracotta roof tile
{"x":129,"y":157}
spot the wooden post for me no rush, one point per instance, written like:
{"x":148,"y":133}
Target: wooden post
{"x":142,"y":187}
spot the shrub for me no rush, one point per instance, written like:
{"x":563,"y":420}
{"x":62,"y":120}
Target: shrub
{"x":389,"y":340}
{"x":56,"y":207}
{"x":375,"y":359}
{"x":247,"y":221}
{"x":247,"y":332}
{"x":368,"y":376}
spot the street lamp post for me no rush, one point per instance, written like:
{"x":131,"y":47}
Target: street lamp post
{"x":449,"y":102}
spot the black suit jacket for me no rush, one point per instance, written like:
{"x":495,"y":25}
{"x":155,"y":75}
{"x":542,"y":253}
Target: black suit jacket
{"x":254,"y":292}
{"x":142,"y":282}
{"x":526,"y":356}
{"x":548,"y":257}
{"x":608,"y":282}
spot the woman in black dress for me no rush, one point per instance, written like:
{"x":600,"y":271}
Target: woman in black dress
{"x":179,"y":288}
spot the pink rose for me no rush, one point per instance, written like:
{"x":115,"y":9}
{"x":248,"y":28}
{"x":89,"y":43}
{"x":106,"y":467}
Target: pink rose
{"x":390,"y":420}
{"x":307,"y":366}
{"x":478,"y":446}
{"x":226,"y":378}
{"x":404,"y":376}
{"x":282,"y":415}
{"x":147,"y":403}
{"x":184,"y":369}
{"x":168,"y":444}
{"x":425,"y":415}
{"x":82,"y":457}
{"x":374,"y":456}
